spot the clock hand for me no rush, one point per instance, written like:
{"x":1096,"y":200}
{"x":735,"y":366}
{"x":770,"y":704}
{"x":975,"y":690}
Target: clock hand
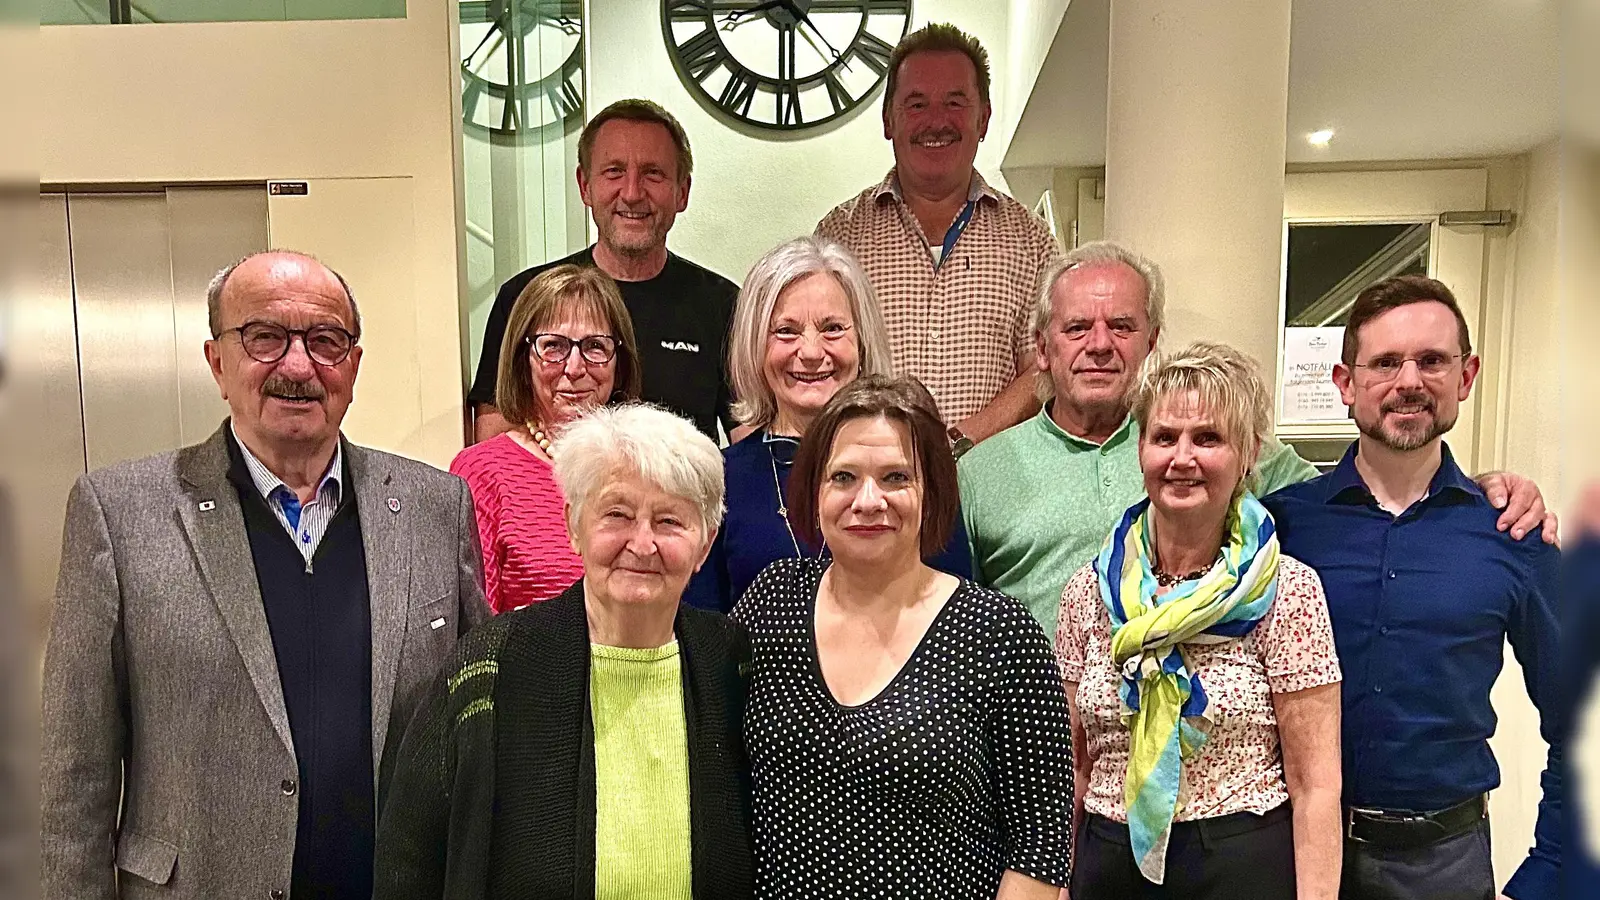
{"x":736,"y":18}
{"x":496,"y":28}
{"x":807,"y":35}
{"x":804,"y":18}
{"x":493,"y":33}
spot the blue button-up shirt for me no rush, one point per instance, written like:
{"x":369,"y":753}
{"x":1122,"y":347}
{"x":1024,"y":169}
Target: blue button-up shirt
{"x":1422,"y":605}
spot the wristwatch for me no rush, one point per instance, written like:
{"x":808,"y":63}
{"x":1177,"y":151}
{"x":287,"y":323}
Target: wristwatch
{"x":959,"y":443}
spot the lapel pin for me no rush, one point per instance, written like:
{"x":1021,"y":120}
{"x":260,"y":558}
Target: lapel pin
{"x":207,"y":505}
{"x":394,"y":504}
{"x":437,"y":624}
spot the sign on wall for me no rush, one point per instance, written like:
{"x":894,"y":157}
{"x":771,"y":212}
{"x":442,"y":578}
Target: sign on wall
{"x":1309,"y":395}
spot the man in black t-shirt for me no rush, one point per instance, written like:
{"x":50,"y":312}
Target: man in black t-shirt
{"x":633,"y":173}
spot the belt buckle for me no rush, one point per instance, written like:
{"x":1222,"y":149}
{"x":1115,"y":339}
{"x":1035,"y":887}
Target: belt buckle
{"x":1350,"y":822}
{"x":1378,"y":815}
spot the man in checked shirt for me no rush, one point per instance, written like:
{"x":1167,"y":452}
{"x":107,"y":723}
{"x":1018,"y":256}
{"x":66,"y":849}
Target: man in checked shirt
{"x":954,"y":262}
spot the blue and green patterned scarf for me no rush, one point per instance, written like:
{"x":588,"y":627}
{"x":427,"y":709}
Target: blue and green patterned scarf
{"x":1164,"y":706}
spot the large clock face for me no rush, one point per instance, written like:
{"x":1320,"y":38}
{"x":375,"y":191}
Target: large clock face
{"x":783,"y":64}
{"x":522,"y":64}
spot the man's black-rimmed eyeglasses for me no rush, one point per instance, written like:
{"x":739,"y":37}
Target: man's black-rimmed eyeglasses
{"x":268,"y":342}
{"x":596,"y":349}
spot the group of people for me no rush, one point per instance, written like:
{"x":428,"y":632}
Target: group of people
{"x":984,"y":597}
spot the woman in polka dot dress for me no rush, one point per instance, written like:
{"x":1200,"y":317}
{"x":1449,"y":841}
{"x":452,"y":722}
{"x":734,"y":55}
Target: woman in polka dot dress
{"x":908,"y":730}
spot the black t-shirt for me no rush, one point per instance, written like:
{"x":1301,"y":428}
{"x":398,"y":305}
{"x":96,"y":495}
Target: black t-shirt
{"x":681,"y":320}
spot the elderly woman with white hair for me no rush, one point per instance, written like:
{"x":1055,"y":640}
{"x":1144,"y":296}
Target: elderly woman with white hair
{"x":590,"y":746}
{"x":805,"y":324}
{"x":1200,"y":666}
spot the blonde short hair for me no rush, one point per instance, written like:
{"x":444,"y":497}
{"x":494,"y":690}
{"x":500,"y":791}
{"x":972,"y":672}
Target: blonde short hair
{"x":1227,"y":384}
{"x":550,"y":293}
{"x":782,"y":266}
{"x":644,"y":440}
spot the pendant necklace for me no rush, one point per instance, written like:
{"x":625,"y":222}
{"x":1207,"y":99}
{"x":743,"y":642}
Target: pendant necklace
{"x":783,"y":508}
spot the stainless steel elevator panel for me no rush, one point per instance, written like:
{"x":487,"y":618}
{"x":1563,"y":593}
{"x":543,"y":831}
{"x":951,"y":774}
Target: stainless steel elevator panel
{"x":112,"y":363}
{"x":47,"y":328}
{"x":210,"y":227}
{"x":122,"y":276}
{"x":49,"y":450}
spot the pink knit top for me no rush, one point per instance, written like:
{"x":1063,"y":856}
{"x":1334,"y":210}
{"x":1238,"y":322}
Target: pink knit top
{"x":526,"y":554}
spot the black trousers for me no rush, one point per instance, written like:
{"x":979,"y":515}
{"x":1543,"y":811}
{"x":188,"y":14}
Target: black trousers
{"x":1239,"y":857}
{"x":1456,"y":868}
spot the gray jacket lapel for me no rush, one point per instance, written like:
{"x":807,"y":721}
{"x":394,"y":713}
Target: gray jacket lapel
{"x":383,"y":505}
{"x":214,"y":523}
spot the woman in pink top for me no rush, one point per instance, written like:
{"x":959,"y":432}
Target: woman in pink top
{"x":568,"y":347}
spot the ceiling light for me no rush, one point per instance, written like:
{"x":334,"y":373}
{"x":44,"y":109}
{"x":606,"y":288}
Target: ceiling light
{"x":1320,"y":137}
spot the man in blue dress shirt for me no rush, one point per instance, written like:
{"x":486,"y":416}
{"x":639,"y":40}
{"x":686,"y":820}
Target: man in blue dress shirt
{"x":1424,"y":591}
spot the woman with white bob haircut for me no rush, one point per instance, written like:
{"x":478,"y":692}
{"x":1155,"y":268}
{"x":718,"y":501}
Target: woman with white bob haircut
{"x":592,"y":745}
{"x":806,"y":324}
{"x":1200,"y":664}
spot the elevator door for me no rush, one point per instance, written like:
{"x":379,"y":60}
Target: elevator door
{"x":114,"y":366}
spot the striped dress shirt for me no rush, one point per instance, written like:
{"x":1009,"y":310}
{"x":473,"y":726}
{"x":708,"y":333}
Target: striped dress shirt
{"x":306,"y":523}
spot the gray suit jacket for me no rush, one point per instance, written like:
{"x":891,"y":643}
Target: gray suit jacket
{"x":166,"y":752}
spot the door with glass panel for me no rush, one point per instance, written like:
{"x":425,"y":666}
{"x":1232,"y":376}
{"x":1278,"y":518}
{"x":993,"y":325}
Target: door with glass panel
{"x":1342,"y":232}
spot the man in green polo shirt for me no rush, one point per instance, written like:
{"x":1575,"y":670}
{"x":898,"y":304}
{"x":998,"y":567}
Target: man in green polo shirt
{"x":1039,"y":498}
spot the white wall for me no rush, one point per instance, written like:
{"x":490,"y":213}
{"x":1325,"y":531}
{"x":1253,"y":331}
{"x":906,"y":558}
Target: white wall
{"x":1533,"y":421}
{"x":252,"y":101}
{"x":754,"y":191}
{"x":1030,"y":30}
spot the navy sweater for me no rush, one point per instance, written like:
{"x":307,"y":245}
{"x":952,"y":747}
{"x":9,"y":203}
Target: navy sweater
{"x":322,"y":637}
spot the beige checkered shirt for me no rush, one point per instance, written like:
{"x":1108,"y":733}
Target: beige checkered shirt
{"x":963,"y":327}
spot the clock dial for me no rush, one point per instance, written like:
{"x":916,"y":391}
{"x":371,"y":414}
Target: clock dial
{"x":522,"y":64}
{"x":783,"y":64}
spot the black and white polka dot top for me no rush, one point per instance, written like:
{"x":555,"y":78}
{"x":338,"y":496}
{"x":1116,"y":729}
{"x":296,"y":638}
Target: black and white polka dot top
{"x":957,"y":771}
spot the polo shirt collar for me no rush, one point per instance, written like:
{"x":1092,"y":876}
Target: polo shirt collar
{"x":269,"y":484}
{"x":1345,"y":484}
{"x":1129,"y":430}
{"x":977,"y":188}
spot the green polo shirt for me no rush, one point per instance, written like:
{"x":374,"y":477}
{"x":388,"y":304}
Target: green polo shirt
{"x":1038,"y":503}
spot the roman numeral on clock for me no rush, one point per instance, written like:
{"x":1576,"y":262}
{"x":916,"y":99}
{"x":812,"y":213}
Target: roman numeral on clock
{"x":831,"y":55}
{"x":738,"y":93}
{"x":702,"y":54}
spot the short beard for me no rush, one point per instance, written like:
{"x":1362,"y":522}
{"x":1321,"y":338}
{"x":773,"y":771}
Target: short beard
{"x":656,"y":240}
{"x":1404,"y":441}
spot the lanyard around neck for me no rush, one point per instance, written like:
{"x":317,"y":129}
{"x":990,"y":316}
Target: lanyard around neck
{"x":953,"y":233}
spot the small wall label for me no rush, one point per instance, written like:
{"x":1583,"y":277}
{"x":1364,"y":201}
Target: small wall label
{"x":288,"y":188}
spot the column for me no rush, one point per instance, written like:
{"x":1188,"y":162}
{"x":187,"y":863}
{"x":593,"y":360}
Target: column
{"x":1197,"y":97}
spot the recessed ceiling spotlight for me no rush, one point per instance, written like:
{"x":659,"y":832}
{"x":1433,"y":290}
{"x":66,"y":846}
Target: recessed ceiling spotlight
{"x":1320,"y":137}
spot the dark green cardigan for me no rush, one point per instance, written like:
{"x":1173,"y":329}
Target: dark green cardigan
{"x":493,"y":788}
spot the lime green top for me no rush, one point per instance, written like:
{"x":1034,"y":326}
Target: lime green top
{"x":1038,"y":503}
{"x":641,"y":774}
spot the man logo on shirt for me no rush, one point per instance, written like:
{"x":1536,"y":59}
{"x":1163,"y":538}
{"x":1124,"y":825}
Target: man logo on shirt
{"x":680,"y":345}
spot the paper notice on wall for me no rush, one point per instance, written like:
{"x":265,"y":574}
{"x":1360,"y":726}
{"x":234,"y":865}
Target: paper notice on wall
{"x":1309,"y":355}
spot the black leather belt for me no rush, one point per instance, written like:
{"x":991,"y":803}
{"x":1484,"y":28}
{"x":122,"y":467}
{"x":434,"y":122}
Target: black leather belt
{"x":1409,"y":830}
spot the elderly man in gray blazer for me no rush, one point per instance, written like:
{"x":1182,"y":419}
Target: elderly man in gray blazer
{"x":242,"y":627}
